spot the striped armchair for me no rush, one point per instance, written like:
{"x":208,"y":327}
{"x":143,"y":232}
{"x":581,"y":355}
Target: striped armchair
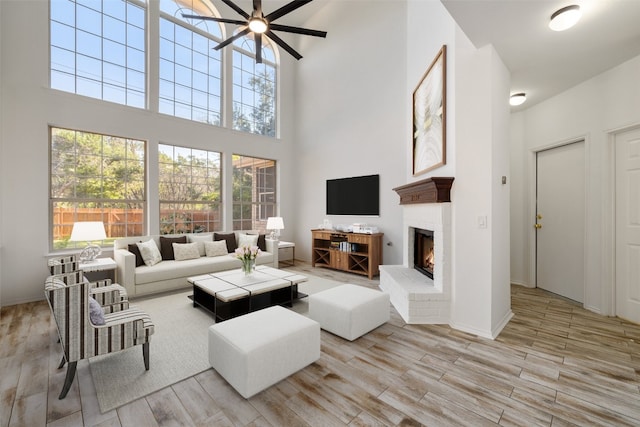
{"x":81,"y":339}
{"x":100,"y":290}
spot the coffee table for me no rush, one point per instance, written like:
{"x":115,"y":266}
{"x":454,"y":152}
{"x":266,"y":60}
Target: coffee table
{"x":231,"y":293}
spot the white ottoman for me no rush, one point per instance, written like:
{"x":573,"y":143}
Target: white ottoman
{"x":256,"y":350}
{"x":349,"y":311}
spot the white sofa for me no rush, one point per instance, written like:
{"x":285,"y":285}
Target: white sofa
{"x":171,"y":274}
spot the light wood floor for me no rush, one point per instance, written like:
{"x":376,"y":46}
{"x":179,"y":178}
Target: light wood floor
{"x":555,"y":364}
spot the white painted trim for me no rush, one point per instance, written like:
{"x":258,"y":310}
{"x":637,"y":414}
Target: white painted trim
{"x":474,"y":331}
{"x":609,"y":222}
{"x":525,"y":285}
{"x":500,"y":326}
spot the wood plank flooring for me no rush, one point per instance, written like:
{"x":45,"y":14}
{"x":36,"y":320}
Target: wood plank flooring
{"x":555,"y":364}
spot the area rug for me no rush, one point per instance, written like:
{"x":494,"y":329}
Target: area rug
{"x":178,"y":348}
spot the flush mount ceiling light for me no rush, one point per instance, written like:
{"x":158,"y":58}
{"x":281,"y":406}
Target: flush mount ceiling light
{"x":517,"y":98}
{"x":565,"y":18}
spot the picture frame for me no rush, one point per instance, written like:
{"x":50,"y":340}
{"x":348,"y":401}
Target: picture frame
{"x":429,"y":117}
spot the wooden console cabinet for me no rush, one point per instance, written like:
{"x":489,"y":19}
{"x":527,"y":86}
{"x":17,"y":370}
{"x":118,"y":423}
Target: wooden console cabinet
{"x":355,"y":253}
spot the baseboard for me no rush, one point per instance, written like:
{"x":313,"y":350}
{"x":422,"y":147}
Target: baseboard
{"x":526,"y":285}
{"x":500,"y":326}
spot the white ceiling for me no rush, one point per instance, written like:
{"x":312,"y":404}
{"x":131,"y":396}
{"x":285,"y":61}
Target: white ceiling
{"x":544,"y":62}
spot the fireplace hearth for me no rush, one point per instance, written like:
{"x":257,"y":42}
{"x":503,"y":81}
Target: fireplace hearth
{"x":423,"y":252}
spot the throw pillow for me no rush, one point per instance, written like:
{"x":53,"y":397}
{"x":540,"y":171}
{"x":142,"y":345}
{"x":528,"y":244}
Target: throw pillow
{"x":53,"y":282}
{"x":230,"y":238}
{"x":166,"y":246}
{"x":200,"y":239}
{"x":96,"y":313}
{"x":184,"y":251}
{"x":262,"y":242}
{"x":150,"y":252}
{"x":216,"y":248}
{"x":133,"y":248}
{"x":247,"y":240}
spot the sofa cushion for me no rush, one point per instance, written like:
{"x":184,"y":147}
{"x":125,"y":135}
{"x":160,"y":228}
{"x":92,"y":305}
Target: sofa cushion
{"x":166,"y":246}
{"x":133,"y":248}
{"x":168,"y":270}
{"x":230,"y":238}
{"x":215,"y":248}
{"x":200,"y":239}
{"x":185,"y":251}
{"x":247,"y":240}
{"x":150,"y":252}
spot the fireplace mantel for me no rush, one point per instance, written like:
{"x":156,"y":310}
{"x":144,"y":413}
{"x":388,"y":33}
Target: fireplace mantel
{"x":430,"y":190}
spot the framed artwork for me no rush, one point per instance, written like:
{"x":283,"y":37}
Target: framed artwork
{"x":429,"y":117}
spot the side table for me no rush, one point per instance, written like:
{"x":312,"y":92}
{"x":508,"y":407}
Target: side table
{"x":99,"y":268}
{"x":287,"y":252}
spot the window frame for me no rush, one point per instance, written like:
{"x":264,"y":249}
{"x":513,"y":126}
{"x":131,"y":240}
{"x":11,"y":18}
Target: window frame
{"x":136,"y":97}
{"x":218,"y":203}
{"x":174,"y":103}
{"x":243,"y":49}
{"x":100,"y":201}
{"x":257,"y":207}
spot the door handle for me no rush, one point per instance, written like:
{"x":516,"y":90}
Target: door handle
{"x":538,"y":226}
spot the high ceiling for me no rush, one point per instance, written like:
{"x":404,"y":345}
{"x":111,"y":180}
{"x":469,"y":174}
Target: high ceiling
{"x":544,"y":62}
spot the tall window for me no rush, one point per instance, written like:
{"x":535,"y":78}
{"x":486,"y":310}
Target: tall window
{"x":98,"y":49}
{"x":254,"y":88}
{"x":96,"y":177}
{"x":190,"y":69}
{"x":189,"y":186}
{"x":254,"y":192}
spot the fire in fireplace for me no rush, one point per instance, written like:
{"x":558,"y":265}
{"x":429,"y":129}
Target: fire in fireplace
{"x":423,"y":251}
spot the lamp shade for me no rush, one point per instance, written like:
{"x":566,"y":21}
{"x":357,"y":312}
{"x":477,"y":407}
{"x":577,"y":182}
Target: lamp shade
{"x":275,"y":223}
{"x":88,"y":231}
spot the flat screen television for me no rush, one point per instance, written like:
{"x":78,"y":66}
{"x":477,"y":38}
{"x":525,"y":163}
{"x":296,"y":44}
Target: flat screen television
{"x":359,"y":195}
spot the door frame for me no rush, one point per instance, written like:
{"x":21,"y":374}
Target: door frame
{"x":532,"y":208}
{"x":608,"y":291}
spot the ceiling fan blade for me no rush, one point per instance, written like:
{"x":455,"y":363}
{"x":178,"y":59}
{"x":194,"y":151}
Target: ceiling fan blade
{"x":257,"y":37}
{"x":213,"y":18}
{"x":235,"y":7}
{"x":233,"y":38}
{"x":297,"y":30}
{"x":289,"y":7}
{"x":257,"y":7}
{"x":283,"y":44}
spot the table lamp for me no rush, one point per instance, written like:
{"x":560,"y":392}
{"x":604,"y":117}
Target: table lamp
{"x":275,"y":224}
{"x":88,"y":231}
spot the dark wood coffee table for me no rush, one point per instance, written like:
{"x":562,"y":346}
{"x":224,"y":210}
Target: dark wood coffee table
{"x":231,"y":293}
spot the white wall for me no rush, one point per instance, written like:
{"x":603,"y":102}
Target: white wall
{"x":356,"y":119}
{"x":352,"y":115}
{"x":591,"y":110}
{"x":29,"y":107}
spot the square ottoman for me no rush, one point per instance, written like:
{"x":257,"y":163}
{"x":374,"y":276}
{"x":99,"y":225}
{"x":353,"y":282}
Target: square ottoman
{"x":256,"y":350}
{"x":349,"y":311}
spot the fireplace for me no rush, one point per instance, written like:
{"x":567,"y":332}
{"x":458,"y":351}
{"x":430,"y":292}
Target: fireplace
{"x":423,"y":251}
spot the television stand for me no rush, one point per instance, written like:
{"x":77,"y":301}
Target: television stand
{"x":351,"y":252}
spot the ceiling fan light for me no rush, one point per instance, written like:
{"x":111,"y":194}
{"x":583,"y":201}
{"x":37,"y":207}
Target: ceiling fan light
{"x":258,"y":25}
{"x":565,"y":18}
{"x":517,"y":99}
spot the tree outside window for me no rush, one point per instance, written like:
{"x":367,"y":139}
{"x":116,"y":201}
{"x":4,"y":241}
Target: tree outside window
{"x":254,"y":192}
{"x":189,"y":187}
{"x":95,"y":177}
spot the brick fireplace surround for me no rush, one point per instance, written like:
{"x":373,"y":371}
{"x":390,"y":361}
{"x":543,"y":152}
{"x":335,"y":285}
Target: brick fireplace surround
{"x":418,"y":299}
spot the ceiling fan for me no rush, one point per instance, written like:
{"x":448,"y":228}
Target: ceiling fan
{"x":258,"y":23}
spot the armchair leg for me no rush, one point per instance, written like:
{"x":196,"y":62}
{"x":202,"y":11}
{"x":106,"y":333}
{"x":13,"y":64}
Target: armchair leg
{"x":71,"y":373}
{"x":145,"y":354}
{"x":62,"y":362}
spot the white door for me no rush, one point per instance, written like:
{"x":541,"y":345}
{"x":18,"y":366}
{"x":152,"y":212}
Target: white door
{"x":560,"y":220}
{"x":628,"y":225}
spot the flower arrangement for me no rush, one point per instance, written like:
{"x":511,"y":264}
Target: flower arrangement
{"x":247,"y":254}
